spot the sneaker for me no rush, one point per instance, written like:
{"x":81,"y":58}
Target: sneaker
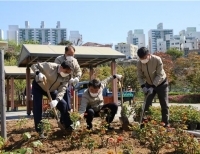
{"x":42,"y":136}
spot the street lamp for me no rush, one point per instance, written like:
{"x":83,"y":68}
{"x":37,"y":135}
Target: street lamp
{"x":3,"y":45}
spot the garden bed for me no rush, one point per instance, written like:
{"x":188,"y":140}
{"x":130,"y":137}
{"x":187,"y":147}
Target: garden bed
{"x":152,"y":138}
{"x":58,"y":143}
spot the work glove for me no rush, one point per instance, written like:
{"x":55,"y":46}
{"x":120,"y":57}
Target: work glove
{"x":118,"y":76}
{"x":150,"y":90}
{"x":144,"y":89}
{"x":41,"y":76}
{"x":74,"y":80}
{"x":53,"y":103}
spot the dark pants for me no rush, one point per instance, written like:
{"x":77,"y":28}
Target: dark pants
{"x":162,"y":92}
{"x":38,"y":93}
{"x":91,"y":113}
{"x":67,"y":98}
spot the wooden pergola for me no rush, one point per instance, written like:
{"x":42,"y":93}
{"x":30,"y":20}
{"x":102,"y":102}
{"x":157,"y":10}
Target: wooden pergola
{"x":88,"y":57}
{"x":13,"y":73}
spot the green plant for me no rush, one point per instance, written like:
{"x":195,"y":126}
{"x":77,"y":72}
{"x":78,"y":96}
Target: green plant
{"x":26,"y":136}
{"x":75,"y":117}
{"x":91,"y":144}
{"x":21,"y":122}
{"x":77,"y":138}
{"x":2,"y":143}
{"x":45,"y":126}
{"x":20,"y":151}
{"x":37,"y":144}
{"x":153,"y":135}
{"x":184,"y":143}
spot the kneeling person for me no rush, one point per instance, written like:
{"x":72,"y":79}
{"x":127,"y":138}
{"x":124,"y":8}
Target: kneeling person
{"x":92,"y":101}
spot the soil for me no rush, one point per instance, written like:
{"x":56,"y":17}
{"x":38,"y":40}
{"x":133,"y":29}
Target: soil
{"x":57,"y":141}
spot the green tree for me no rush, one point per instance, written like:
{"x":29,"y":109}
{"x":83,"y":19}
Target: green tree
{"x":175,"y":53}
{"x":63,"y":42}
{"x":130,"y":77}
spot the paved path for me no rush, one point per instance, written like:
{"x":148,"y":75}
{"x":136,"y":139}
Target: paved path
{"x":10,"y":115}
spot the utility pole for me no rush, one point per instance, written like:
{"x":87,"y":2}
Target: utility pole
{"x":3,"y":45}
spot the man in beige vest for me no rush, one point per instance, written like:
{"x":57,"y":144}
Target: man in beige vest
{"x":92,"y":101}
{"x":76,"y":74}
{"x":57,"y":77}
{"x":153,"y":80}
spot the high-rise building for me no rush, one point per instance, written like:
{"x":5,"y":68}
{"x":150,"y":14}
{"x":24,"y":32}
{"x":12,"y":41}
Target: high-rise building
{"x":1,"y":35}
{"x":42,"y":35}
{"x":158,"y":38}
{"x":76,"y":38}
{"x":129,"y":50}
{"x":12,"y":33}
{"x":137,"y":38}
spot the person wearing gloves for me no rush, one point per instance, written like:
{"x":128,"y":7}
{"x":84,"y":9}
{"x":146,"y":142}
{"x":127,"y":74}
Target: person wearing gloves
{"x":153,"y":80}
{"x":92,"y":101}
{"x":76,"y":74}
{"x":57,"y":77}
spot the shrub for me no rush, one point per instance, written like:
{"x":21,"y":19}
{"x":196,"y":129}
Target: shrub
{"x":190,"y":98}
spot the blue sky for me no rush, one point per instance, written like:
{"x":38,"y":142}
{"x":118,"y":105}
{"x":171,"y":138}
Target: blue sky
{"x":102,"y":21}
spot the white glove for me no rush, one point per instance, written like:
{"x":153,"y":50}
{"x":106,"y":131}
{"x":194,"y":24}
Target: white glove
{"x":53,"y":103}
{"x":118,"y":76}
{"x":144,"y":89}
{"x":76,"y":80}
{"x":25,"y":97}
{"x":150,"y":90}
{"x":71,"y":81}
{"x":41,"y":76}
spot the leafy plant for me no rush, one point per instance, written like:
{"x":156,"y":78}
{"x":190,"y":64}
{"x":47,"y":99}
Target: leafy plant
{"x":75,"y":117}
{"x":26,"y":136}
{"x":91,"y":144}
{"x":37,"y":144}
{"x":21,"y":122}
{"x":45,"y":126}
{"x":154,"y":136}
{"x":2,"y":143}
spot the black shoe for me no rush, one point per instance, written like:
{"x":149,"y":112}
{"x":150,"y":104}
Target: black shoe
{"x":69,"y":129}
{"x":109,"y":127}
{"x":89,"y":126}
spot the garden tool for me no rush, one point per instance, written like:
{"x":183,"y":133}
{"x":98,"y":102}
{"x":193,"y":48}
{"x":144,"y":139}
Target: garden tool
{"x":143,"y":107}
{"x":54,"y":109}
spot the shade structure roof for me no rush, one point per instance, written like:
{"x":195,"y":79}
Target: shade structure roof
{"x":87,"y":56}
{"x":16,"y":72}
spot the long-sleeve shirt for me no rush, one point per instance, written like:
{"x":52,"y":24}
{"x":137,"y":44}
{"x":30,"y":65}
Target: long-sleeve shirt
{"x":77,"y":72}
{"x":54,"y":80}
{"x":95,"y":102}
{"x":151,"y":72}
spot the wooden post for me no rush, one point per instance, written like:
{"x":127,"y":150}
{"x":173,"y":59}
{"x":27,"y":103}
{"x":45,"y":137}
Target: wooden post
{"x":8,"y":94}
{"x":114,"y":82}
{"x":2,"y":96}
{"x":28,"y":99}
{"x":12,"y":94}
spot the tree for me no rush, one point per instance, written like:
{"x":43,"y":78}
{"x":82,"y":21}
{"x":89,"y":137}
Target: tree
{"x":167,"y":64}
{"x":63,"y":42}
{"x":11,"y":59}
{"x":174,"y":53}
{"x":130,"y":77}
